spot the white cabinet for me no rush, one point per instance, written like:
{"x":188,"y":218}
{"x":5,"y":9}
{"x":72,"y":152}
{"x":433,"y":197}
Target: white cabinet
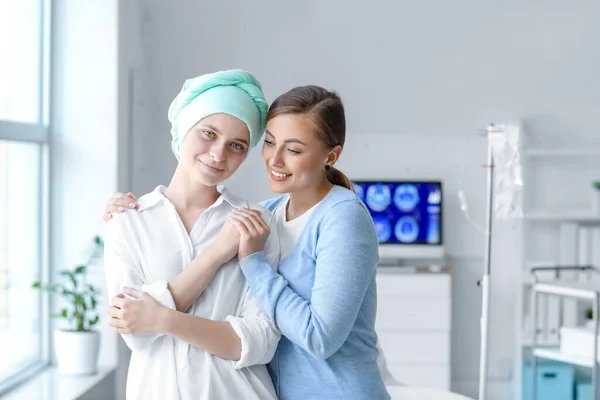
{"x":413,"y":325}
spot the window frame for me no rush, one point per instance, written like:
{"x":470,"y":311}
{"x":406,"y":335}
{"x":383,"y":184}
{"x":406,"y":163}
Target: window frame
{"x":39,"y":133}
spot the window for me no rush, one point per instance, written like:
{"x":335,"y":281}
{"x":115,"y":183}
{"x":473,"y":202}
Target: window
{"x":20,"y":45}
{"x":20,"y":256}
{"x":24,"y":75}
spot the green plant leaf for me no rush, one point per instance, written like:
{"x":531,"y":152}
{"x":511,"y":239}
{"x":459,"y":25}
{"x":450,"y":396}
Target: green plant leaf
{"x":94,"y":303}
{"x":64,"y":313}
{"x":94,"y":321}
{"x":81,"y":269}
{"x":36,"y":285}
{"x":70,"y":275}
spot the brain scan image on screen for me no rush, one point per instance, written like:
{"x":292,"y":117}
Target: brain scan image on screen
{"x":378,"y":197}
{"x":359,"y":192}
{"x":403,"y":212}
{"x":406,"y":229}
{"x":435,"y":197}
{"x":383,"y":228}
{"x":433,"y":228}
{"x":406,"y":197}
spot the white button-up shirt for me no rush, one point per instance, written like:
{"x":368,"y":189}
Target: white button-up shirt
{"x":145,"y":249}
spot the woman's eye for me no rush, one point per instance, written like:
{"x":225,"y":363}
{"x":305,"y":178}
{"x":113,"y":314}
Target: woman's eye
{"x":209,"y":134}
{"x":293,"y":151}
{"x":237,"y":146}
{"x":268,"y":142}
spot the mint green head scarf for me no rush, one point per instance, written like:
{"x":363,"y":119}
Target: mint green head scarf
{"x":235,"y":92}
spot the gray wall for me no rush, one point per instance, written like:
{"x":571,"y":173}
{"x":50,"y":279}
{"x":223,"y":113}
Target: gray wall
{"x":418,"y":79}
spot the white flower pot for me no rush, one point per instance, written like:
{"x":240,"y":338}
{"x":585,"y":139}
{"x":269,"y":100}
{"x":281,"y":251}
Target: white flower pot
{"x":76,"y":352}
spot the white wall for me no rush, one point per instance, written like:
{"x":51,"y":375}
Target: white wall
{"x":84,"y":138}
{"x":418,"y":79}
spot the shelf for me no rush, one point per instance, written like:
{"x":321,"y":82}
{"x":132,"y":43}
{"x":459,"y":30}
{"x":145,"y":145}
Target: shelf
{"x":582,"y":218}
{"x":556,"y":355}
{"x":540,"y":344}
{"x":581,"y":290}
{"x":557,"y":152}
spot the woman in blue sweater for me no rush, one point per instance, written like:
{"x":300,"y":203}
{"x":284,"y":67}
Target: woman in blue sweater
{"x":322,"y":297}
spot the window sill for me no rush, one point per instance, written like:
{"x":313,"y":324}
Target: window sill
{"x":49,"y":384}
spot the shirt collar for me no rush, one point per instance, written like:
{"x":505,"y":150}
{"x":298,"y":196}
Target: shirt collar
{"x":156,"y":196}
{"x":153,"y":198}
{"x":226,"y":195}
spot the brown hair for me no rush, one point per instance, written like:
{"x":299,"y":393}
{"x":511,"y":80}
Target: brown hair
{"x":326,"y":111}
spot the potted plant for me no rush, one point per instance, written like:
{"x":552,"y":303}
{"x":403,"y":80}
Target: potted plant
{"x":77,"y":347}
{"x":589,"y":318}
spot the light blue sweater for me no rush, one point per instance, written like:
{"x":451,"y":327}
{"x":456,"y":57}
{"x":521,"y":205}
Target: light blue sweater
{"x":324,"y":300}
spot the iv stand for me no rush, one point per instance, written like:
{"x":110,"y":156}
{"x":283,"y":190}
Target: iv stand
{"x":485,"y":282}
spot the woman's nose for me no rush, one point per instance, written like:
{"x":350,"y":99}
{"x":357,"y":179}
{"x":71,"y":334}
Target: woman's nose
{"x":277,"y":159}
{"x":217,"y":152}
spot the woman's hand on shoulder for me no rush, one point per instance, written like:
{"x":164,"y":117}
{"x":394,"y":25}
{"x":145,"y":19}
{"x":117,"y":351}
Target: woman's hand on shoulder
{"x":118,"y":202}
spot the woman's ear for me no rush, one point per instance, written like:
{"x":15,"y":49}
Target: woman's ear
{"x":333,"y":155}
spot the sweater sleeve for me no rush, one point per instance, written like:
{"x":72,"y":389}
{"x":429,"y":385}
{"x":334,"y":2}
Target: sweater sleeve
{"x":346,"y":259}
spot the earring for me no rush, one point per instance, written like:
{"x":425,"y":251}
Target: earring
{"x":327,"y":167}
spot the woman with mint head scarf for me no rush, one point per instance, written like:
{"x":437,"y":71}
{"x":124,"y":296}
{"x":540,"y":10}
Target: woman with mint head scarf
{"x":204,"y":337}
